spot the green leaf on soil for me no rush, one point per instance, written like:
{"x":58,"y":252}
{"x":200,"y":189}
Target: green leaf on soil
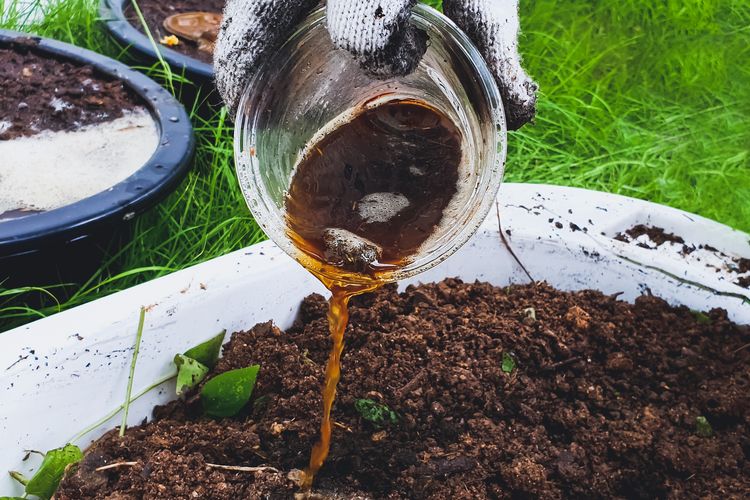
{"x":12,"y":498}
{"x":227,"y":393}
{"x":703,"y":427}
{"x":701,"y":317}
{"x":378,"y":414}
{"x":509,"y":364}
{"x":190,"y":373}
{"x":47,"y":478}
{"x":207,"y":353}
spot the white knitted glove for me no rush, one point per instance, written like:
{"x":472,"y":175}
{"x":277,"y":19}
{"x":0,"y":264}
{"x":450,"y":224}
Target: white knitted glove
{"x":379,"y":36}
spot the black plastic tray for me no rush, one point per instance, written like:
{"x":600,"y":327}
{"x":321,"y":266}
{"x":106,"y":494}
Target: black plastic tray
{"x":111,"y":12}
{"x":29,"y":245}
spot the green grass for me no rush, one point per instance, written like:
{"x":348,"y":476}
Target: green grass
{"x":647,"y":99}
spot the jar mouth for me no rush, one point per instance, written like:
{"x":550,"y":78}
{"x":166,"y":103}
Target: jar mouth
{"x":262,"y":196}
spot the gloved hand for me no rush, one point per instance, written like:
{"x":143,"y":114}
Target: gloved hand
{"x":379,"y":36}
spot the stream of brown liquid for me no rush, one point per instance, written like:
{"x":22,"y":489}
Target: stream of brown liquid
{"x":381,"y":182}
{"x":338,"y":317}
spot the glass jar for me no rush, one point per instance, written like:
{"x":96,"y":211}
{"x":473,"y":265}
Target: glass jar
{"x":308,"y":85}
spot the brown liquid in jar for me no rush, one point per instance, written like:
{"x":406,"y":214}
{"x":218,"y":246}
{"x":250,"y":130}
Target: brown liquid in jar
{"x":363,"y":200}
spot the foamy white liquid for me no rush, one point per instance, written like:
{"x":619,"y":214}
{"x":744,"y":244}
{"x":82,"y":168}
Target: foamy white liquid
{"x":381,"y":207}
{"x":52,"y":169}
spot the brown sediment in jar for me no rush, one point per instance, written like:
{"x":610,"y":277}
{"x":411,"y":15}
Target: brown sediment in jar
{"x":382,"y":180}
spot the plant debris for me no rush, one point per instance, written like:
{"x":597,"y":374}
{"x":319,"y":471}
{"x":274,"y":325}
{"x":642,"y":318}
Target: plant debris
{"x":47,"y":478}
{"x":207,"y":353}
{"x":227,"y":393}
{"x":169,"y":41}
{"x":376,"y":413}
{"x":194,"y":364}
{"x":703,"y":427}
{"x":190,"y":373}
{"x":509,"y":364}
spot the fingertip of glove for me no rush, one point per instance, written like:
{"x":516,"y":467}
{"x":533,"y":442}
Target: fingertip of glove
{"x":399,"y":58}
{"x":520,"y":110}
{"x":227,"y":92}
{"x":223,"y":73}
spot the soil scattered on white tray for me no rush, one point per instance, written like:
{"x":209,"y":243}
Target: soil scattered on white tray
{"x":730,"y":267}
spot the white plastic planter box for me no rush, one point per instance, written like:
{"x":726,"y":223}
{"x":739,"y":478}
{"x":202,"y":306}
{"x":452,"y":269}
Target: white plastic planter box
{"x":60,"y":374}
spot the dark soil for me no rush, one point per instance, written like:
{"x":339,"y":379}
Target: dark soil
{"x":743,"y":266}
{"x":656,"y":234}
{"x":601,"y":402}
{"x":39,"y":93}
{"x":156,"y":11}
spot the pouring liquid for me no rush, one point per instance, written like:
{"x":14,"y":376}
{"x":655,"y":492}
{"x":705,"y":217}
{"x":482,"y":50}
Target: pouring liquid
{"x":362,"y":201}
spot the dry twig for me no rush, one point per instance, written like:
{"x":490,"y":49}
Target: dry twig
{"x":115,"y":466}
{"x":238,"y":468}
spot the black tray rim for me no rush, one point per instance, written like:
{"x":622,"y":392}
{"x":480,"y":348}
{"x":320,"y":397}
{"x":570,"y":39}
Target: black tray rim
{"x":112,"y":14}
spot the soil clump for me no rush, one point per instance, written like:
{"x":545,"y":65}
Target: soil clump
{"x":656,"y":234}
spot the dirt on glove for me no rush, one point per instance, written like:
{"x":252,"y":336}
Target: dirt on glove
{"x":40,"y":93}
{"x":517,"y":392}
{"x":156,"y":11}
